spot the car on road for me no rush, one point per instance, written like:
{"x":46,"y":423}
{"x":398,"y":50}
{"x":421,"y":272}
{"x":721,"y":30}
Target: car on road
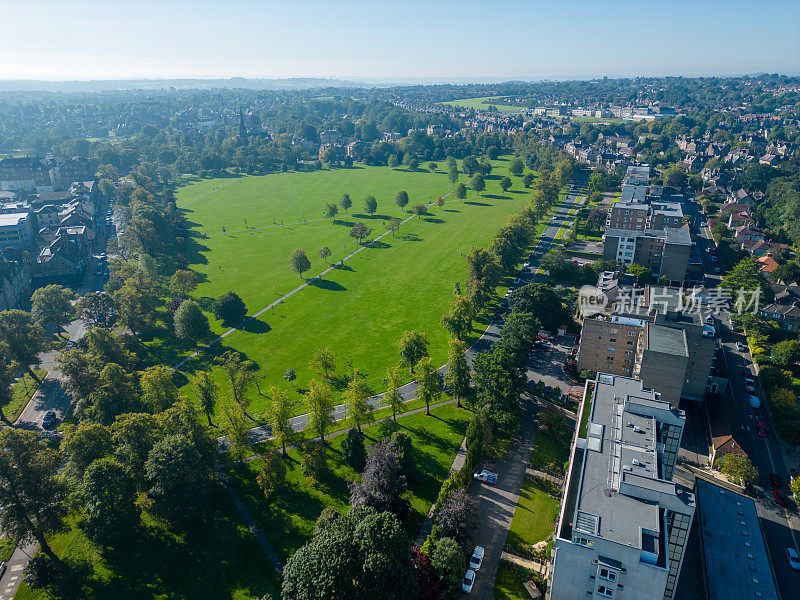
{"x":761,"y":428}
{"x":469,"y":581}
{"x":703,"y":224}
{"x":774,"y":480}
{"x":755,"y":402}
{"x":793,"y":559}
{"x":750,"y":386}
{"x":717,"y":270}
{"x":50,"y":420}
{"x":517,"y":281}
{"x":485,"y":476}
{"x":714,"y":258}
{"x":780,"y":498}
{"x":740,"y":347}
{"x":476,"y":559}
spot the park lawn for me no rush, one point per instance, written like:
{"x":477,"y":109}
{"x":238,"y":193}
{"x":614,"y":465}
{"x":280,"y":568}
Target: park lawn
{"x":24,"y":389}
{"x":288,"y":519}
{"x":483,"y":102}
{"x":547,"y":450}
{"x":220,"y":559}
{"x":534,"y":515}
{"x":360,"y":310}
{"x":508,"y":585}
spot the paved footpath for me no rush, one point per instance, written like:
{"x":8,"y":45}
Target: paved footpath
{"x":15,"y":566}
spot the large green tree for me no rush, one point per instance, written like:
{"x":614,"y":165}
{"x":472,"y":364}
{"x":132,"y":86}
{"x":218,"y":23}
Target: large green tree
{"x":413,"y":348}
{"x":21,"y":339}
{"x":50,"y":305}
{"x":457,"y":378}
{"x":190,"y":322}
{"x":108,"y":492}
{"x":298,"y":262}
{"x":320,"y":404}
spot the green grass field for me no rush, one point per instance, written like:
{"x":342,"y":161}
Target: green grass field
{"x":483,"y":102}
{"x":361,"y":310}
{"x":507,"y":584}
{"x":23,"y":390}
{"x":288,"y":520}
{"x":218,"y":559}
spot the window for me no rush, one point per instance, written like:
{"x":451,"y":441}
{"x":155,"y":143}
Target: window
{"x":608,"y":574}
{"x":612,"y":339}
{"x":582,"y":541}
{"x":605,"y":591}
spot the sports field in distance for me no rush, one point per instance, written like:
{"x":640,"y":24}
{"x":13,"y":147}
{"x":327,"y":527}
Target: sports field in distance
{"x":483,"y":102}
{"x":361,"y":310}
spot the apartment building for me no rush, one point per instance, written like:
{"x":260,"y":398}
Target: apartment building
{"x":638,"y":216}
{"x":665,"y":252}
{"x":634,"y":184}
{"x":608,"y":344}
{"x":623,"y":524}
{"x":15,"y":231}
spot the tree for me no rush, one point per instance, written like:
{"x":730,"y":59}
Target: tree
{"x":84,"y":444}
{"x":21,"y":339}
{"x":391,"y":397}
{"x":96,"y":309}
{"x":440,"y":201}
{"x":330,"y":212}
{"x":108,"y":492}
{"x":240,"y":375}
{"x":426,"y":576}
{"x":458,"y":375}
{"x":41,"y":572}
{"x":289,"y":375}
{"x":447,"y":559}
{"x":279,"y":417}
{"x":207,"y":391}
{"x":457,"y":518}
{"x":794,"y":486}
{"x":345,"y":202}
{"x":324,"y":254}
{"x":505,"y":183}
{"x":383,"y":483}
{"x":470,"y":165}
{"x":272,"y":476}
{"x":543,"y":301}
{"x":516,"y":167}
{"x":675,"y":176}
{"x":136,"y":300}
{"x":478,"y":183}
{"x":394,"y":224}
{"x":237,"y":428}
{"x":786,"y":353}
{"x":432,"y":167}
{"x":458,"y":318}
{"x":322,"y":361}
{"x":313,"y":461}
{"x":359,"y":410}
{"x":360,"y":231}
{"x":401,"y":199}
{"x":183,"y":282}
{"x":739,"y":469}
{"x":357,"y":556}
{"x":428,"y":388}
{"x":370,"y":205}
{"x":180,"y":478}
{"x":229,"y":308}
{"x":419,"y":209}
{"x":413,"y":347}
{"x":299,"y":262}
{"x":32,"y":496}
{"x":50,"y":305}
{"x":114,"y":394}
{"x":746,"y":275}
{"x":320,"y":404}
{"x":353,"y":450}
{"x":190,"y":322}
{"x":393,"y":162}
{"x":527,"y":180}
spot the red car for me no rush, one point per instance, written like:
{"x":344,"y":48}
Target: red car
{"x":761,"y":428}
{"x":780,"y":498}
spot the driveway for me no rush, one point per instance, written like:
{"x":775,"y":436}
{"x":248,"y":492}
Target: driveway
{"x":496,"y":504}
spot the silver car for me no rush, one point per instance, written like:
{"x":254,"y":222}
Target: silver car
{"x":468,"y":582}
{"x":476,"y":559}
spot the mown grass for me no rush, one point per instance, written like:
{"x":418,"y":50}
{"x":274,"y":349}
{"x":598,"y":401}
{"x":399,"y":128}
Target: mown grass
{"x":288,"y":519}
{"x":23,"y":390}
{"x":217,"y":559}
{"x":359,"y":311}
{"x":483,"y":103}
{"x":508,"y":585}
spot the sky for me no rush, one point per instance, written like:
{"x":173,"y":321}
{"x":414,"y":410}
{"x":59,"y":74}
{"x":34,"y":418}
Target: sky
{"x":431,"y":39}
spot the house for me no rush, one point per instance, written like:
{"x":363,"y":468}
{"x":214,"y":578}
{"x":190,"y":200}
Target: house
{"x":15,"y":284}
{"x":767,"y":264}
{"x":64,"y":259}
{"x":748,"y":233}
{"x":785,"y":307}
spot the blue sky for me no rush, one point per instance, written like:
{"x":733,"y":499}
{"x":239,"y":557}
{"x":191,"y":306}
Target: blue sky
{"x":103,"y":39}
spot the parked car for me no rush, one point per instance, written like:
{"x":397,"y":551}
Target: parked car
{"x":793,"y":559}
{"x":740,"y":347}
{"x":486,"y":477}
{"x":517,"y":281}
{"x":50,"y":420}
{"x":755,"y":402}
{"x":761,"y":428}
{"x":774,"y":480}
{"x":469,"y":581}
{"x":477,"y":558}
{"x":780,"y":498}
{"x":714,"y":258}
{"x":750,"y":386}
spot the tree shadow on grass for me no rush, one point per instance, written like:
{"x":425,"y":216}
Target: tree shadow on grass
{"x":342,"y":267}
{"x":327,"y":284}
{"x":379,"y":244}
{"x":453,"y":210}
{"x":255,"y":326}
{"x":473,"y":203}
{"x":409,"y":237}
{"x":363,"y":216}
{"x":343,"y":222}
{"x":497,"y":197}
{"x":433,"y":220}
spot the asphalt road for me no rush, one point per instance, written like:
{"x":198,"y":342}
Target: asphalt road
{"x":781,"y":525}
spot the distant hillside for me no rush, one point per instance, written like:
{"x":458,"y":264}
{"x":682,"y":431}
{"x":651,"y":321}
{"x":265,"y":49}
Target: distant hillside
{"x":31,"y":85}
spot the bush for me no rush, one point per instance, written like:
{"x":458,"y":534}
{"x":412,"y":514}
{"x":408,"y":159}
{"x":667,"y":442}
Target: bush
{"x":448,"y":561}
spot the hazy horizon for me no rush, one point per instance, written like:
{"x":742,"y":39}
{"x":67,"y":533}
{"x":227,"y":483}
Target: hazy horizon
{"x":446,"y":41}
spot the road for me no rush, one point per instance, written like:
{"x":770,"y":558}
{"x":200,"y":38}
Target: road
{"x":780,"y":525}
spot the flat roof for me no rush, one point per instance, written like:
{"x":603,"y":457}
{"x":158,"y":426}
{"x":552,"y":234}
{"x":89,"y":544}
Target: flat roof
{"x":678,"y":235}
{"x":12,"y":219}
{"x":736,"y":561}
{"x":621,"y":446}
{"x":666,"y":340}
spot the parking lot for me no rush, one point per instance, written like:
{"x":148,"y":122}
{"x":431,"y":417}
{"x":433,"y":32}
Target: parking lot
{"x":546,"y":362}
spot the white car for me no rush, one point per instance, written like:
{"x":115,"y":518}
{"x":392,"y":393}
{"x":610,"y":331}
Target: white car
{"x":793,"y":559}
{"x":477,"y":558}
{"x":740,"y":347}
{"x":755,"y":402}
{"x":469,"y":581}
